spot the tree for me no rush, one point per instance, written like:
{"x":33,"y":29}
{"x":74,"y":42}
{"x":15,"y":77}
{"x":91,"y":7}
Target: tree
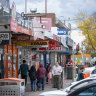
{"x":87,"y":24}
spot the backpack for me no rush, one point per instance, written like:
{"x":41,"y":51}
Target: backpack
{"x":32,"y":75}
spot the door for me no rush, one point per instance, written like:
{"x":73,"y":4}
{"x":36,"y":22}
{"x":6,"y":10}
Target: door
{"x":11,"y":61}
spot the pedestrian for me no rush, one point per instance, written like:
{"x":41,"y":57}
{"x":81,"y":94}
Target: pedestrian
{"x":80,"y":74}
{"x":48,"y":69}
{"x":56,"y":72}
{"x":24,"y":71}
{"x":33,"y":77}
{"x":41,"y":76}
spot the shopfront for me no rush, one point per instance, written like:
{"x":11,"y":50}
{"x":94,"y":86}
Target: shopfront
{"x":51,"y":53}
{"x":69,"y":43}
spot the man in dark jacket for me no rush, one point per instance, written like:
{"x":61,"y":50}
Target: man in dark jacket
{"x":41,"y":75}
{"x":80,"y":74}
{"x":24,"y":71}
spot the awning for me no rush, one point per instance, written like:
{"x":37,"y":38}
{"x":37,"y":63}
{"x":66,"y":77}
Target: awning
{"x":66,"y":52}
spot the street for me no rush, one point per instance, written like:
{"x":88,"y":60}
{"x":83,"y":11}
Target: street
{"x":48,"y":87}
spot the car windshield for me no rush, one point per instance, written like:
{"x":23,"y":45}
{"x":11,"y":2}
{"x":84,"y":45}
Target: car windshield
{"x":94,"y":71}
{"x":80,"y":84}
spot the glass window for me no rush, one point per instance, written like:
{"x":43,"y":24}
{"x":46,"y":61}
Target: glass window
{"x":94,"y":71}
{"x":89,"y":92}
{"x":80,"y":84}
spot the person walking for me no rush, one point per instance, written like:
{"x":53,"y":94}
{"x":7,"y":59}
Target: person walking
{"x":41,"y":76}
{"x":48,"y":69}
{"x":24,"y":71}
{"x":80,"y":74}
{"x":33,"y":77}
{"x":56,"y":72}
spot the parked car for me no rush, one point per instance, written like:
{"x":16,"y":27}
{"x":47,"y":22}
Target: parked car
{"x":88,"y":71}
{"x":93,"y":73}
{"x":85,"y":87}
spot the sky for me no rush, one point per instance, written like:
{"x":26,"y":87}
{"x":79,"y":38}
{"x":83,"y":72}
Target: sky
{"x":63,"y":9}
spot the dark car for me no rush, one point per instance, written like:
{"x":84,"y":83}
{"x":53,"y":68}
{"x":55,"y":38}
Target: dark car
{"x":85,"y":87}
{"x":88,"y":89}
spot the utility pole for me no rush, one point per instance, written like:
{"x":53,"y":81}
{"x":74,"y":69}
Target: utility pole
{"x":25,"y":6}
{"x":45,"y":6}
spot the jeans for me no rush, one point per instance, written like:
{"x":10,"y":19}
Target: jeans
{"x":33,"y":85}
{"x":41,"y":83}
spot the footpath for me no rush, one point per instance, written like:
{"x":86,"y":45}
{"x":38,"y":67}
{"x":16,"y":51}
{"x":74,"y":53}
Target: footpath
{"x":48,"y":87}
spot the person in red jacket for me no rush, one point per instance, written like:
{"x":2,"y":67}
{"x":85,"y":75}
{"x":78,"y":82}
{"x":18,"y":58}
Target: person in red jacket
{"x":41,"y":75}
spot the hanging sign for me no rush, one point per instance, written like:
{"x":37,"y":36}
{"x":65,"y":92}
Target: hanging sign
{"x":13,"y":18}
{"x":62,"y":31}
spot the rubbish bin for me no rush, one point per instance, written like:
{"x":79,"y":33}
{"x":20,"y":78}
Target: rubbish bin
{"x":12,"y":87}
{"x":69,"y":72}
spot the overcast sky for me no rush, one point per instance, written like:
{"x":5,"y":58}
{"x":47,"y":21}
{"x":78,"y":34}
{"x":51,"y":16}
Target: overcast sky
{"x":63,"y":9}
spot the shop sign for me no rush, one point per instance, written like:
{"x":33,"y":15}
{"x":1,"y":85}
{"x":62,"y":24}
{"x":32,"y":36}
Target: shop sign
{"x":69,"y":41}
{"x":20,"y":37}
{"x":4,"y":36}
{"x":62,"y":31}
{"x":13,"y":18}
{"x":24,"y":30}
{"x":57,"y":38}
{"x":52,"y":46}
{"x":57,"y":48}
{"x":38,"y":30}
{"x":46,"y":22}
{"x":33,"y":43}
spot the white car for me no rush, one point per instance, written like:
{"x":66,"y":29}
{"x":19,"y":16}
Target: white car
{"x":93,"y":73}
{"x":78,"y":88}
{"x":91,"y":70}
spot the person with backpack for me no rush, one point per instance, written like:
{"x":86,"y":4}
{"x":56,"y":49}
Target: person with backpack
{"x":33,"y":77}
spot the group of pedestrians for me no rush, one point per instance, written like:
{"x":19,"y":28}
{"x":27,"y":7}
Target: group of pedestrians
{"x":36,"y":77}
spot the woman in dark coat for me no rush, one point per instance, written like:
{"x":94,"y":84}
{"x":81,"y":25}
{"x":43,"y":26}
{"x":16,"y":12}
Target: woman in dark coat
{"x":33,"y":76}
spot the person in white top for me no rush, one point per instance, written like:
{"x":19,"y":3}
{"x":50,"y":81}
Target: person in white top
{"x":56,"y":72}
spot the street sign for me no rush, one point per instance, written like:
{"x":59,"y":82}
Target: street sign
{"x":62,"y":31}
{"x":4,"y":36}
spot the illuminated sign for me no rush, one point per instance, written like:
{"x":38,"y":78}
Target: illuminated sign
{"x":33,"y":43}
{"x":62,"y":31}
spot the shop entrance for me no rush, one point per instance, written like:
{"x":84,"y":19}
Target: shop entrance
{"x":11,"y":61}
{"x":1,"y":63}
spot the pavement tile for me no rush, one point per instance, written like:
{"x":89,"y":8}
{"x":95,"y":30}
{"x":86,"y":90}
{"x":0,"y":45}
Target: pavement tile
{"x":48,"y":87}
